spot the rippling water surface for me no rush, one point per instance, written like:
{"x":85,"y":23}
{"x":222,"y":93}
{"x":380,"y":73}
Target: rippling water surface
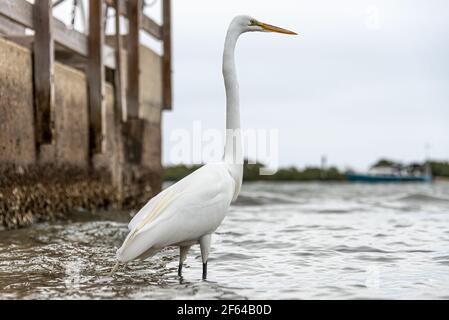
{"x":279,"y":241}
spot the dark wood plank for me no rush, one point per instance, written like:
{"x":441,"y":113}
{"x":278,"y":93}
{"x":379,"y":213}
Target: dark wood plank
{"x":167,"y":57}
{"x":132,"y":100}
{"x":133,"y":130}
{"x":7,"y":26}
{"x":43,"y":70}
{"x":118,"y":77}
{"x":95,"y":74}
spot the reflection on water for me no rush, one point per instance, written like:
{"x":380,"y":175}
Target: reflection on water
{"x":290,"y":240}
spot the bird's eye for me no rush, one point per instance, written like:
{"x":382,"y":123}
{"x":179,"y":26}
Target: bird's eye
{"x":252,"y":22}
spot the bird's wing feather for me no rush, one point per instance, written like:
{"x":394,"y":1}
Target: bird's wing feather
{"x":148,"y":207}
{"x":164,"y":196}
{"x":194,"y":206}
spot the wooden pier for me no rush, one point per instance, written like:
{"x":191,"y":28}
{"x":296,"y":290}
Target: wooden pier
{"x":85,"y":102}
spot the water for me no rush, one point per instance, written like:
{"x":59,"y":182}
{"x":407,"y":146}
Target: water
{"x":280,"y":241}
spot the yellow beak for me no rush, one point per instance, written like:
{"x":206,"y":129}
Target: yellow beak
{"x":270,"y":28}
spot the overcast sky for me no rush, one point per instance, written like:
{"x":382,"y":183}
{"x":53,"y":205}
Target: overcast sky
{"x":363,"y":80}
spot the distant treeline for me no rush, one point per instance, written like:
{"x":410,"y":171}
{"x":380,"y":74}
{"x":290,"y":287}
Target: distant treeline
{"x":437,"y":168}
{"x":440,"y":169}
{"x":251,"y":172}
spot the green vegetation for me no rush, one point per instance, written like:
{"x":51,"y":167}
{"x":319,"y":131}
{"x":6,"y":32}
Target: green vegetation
{"x":440,"y":169}
{"x":251,"y":172}
{"x":384,"y":163}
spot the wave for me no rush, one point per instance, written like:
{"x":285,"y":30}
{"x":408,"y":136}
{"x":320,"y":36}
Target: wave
{"x":348,"y":249}
{"x":264,"y":198}
{"x":421,"y":197}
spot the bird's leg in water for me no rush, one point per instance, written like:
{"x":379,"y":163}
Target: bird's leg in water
{"x":182,"y":257}
{"x":205,"y":247}
{"x":204,"y":270}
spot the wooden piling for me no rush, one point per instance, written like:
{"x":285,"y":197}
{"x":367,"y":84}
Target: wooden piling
{"x":134,"y":22}
{"x":118,"y":161}
{"x":96,"y":74}
{"x":118,"y":77}
{"x":133,"y":128}
{"x":43,"y":71}
{"x":166,"y":59}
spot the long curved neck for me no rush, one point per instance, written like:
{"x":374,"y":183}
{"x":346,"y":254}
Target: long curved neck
{"x":233,"y":155}
{"x":233,"y":147}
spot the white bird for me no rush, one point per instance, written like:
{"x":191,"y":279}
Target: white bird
{"x":189,"y":211}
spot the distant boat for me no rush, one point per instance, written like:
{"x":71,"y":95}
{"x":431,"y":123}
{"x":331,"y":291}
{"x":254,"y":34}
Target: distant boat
{"x":355,"y":177}
{"x":393,"y":173}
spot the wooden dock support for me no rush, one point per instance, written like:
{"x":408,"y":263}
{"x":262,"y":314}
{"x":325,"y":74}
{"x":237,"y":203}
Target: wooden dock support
{"x":148,"y":24}
{"x":119,"y":105}
{"x":96,"y":74}
{"x":54,"y":40}
{"x":134,"y":13}
{"x":166,"y":59}
{"x":118,"y":77}
{"x":43,"y":71}
{"x":134,"y":127}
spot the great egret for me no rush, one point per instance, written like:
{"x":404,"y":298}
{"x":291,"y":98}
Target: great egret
{"x":189,"y":211}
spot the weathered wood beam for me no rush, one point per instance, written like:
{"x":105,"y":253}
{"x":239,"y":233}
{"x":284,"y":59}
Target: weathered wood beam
{"x":65,"y":55}
{"x":167,"y":57}
{"x":22,"y":40}
{"x":21,"y":12}
{"x":7,"y":26}
{"x":69,"y":38}
{"x":43,"y":71}
{"x":96,"y":75}
{"x":148,"y":24}
{"x":152,"y":27}
{"x":18,"y":10}
{"x":134,"y":22}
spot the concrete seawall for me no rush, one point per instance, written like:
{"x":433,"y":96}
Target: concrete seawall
{"x":44,"y":182}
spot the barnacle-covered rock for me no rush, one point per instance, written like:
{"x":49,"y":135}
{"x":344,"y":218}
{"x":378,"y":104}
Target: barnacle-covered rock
{"x":45,"y":193}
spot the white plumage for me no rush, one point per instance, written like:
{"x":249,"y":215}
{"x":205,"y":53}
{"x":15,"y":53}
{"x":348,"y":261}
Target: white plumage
{"x":189,"y":211}
{"x":181,"y":214}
